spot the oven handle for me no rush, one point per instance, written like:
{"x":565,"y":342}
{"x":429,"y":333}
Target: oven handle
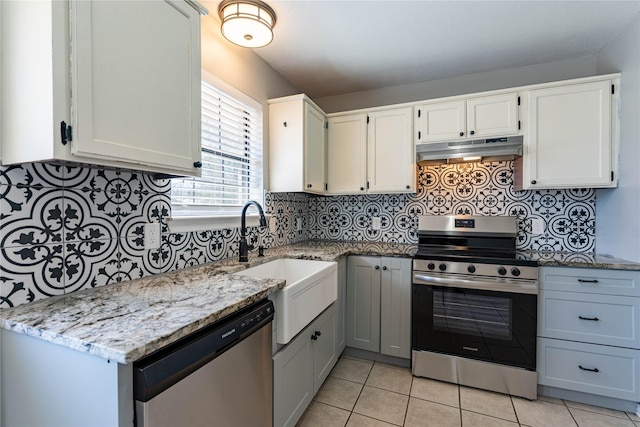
{"x":513,"y":287}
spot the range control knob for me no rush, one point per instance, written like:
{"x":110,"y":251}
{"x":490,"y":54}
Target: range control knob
{"x":431,"y":266}
{"x":471,"y":268}
{"x":502,"y":271}
{"x":515,"y":271}
{"x":442,"y":266}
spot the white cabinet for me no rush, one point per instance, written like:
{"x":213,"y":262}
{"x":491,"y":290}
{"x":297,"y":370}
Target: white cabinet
{"x":296,"y":145}
{"x":371,"y":152}
{"x":347,"y":154}
{"x":379,"y":305}
{"x":341,"y":309}
{"x":588,"y":339}
{"x":461,"y":119}
{"x":300,"y":368}
{"x":101,"y":84}
{"x":571,"y":136}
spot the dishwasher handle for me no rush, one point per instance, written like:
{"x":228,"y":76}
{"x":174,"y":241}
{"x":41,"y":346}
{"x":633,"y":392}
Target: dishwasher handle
{"x":160,"y":370}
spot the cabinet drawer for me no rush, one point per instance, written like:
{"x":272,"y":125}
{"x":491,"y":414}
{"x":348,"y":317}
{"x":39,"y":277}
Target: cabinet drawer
{"x":598,"y":319}
{"x":589,"y":368}
{"x":589,"y":280}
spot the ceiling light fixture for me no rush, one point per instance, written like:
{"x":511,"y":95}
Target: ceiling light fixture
{"x":247,"y":23}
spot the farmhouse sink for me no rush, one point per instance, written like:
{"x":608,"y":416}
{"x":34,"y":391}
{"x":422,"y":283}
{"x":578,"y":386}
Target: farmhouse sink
{"x":311,"y":287}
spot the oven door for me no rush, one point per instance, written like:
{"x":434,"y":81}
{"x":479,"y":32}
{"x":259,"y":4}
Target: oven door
{"x":489,"y":325}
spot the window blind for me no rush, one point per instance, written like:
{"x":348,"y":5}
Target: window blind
{"x":231,"y":158}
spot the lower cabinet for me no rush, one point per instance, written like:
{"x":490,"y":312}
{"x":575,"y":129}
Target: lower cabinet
{"x":300,"y":368}
{"x":379,"y":305}
{"x":587,"y":331}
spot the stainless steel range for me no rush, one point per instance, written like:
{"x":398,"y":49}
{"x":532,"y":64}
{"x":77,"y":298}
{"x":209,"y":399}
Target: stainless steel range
{"x":474,"y":305}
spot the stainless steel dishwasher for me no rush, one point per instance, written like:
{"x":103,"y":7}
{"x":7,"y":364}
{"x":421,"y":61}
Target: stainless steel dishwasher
{"x":218,"y":376}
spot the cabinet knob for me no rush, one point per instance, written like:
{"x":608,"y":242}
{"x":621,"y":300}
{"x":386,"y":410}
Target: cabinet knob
{"x":533,"y":181}
{"x":408,"y":187}
{"x":317,"y":333}
{"x":309,"y":185}
{"x":384,"y":268}
{"x":284,"y":124}
{"x":472,"y":132}
{"x":461,"y":133}
{"x":361,"y":188}
{"x":314,"y":337}
{"x":197,"y":164}
{"x":377,"y":267}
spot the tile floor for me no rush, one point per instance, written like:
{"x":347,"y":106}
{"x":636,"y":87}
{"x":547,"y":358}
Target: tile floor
{"x":361,"y":393}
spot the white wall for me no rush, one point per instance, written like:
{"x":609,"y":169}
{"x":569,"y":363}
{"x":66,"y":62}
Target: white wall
{"x":618,"y":210}
{"x":491,"y":80}
{"x":244,"y":70}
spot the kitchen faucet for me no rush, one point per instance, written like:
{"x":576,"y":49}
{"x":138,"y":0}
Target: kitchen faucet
{"x":244,"y":246}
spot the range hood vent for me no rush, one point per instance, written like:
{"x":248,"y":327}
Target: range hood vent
{"x":477,"y":150}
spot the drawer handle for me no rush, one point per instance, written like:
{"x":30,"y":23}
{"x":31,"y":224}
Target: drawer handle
{"x":595,"y":319}
{"x":587,"y":281}
{"x":587,"y":369}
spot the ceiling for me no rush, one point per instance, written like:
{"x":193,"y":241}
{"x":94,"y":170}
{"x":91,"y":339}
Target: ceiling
{"x":331,"y":47}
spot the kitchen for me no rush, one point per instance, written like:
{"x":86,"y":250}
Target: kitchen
{"x":441,"y":190}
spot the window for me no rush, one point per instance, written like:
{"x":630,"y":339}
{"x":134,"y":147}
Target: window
{"x":231,"y":155}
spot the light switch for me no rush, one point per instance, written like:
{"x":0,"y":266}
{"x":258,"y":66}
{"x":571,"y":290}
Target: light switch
{"x":537,"y":226}
{"x":152,"y":235}
{"x":272,"y":224}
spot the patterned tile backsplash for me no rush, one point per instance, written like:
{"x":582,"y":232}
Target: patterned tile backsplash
{"x":66,"y":227}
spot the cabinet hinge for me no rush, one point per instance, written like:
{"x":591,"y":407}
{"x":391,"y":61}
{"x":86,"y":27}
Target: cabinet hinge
{"x":419,"y":113}
{"x":611,"y":176}
{"x":367,"y":185}
{"x":65,"y":133}
{"x":419,"y":135}
{"x":613,"y":89}
{"x":518,"y":100}
{"x":518,"y":124}
{"x":326,"y":125}
{"x":326,"y":186}
{"x":367,"y":119}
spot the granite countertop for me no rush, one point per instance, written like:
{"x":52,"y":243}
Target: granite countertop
{"x":126,"y":321}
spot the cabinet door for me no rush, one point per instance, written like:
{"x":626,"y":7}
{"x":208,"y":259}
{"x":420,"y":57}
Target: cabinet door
{"x":314,"y":149}
{"x":324,"y":346}
{"x":341,"y":309}
{"x":292,"y":381}
{"x":441,"y":121}
{"x":286,"y":154}
{"x":391,"y":165}
{"x":347,"y":154}
{"x":363,"y":303}
{"x":490,"y":116}
{"x":395,"y":307}
{"x":569,"y":137}
{"x":135,"y":82}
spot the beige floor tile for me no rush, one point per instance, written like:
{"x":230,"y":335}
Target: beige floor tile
{"x":390,"y":378}
{"x":597,"y":409}
{"x":356,"y":370}
{"x":487,"y":403}
{"x":357,"y":420}
{"x":382,"y":405}
{"x":538,"y":413}
{"x":436,"y":391}
{"x":550,"y":400}
{"x":321,"y":415}
{"x":472,"y":419}
{"x":592,"y":419}
{"x":422,"y":413}
{"x":339,"y":392}
{"x":634,"y":417}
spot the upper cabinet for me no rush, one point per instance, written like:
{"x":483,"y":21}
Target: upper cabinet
{"x":296,"y":145}
{"x":371,"y":152}
{"x":478,"y":117}
{"x":571,"y":138}
{"x":104,"y":84}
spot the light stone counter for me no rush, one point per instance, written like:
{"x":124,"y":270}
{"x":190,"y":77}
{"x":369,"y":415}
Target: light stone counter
{"x":580,"y":260}
{"x":126,"y":321}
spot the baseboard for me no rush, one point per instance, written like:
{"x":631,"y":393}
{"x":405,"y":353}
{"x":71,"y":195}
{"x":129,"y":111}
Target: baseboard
{"x":376,"y":357}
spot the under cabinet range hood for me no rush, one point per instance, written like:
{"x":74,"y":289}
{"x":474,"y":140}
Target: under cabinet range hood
{"x":477,"y":150}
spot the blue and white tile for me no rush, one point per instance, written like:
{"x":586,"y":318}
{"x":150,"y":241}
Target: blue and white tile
{"x":37,"y":175}
{"x":90,"y":264}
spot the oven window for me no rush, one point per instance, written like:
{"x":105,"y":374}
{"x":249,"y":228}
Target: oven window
{"x":472,"y":314}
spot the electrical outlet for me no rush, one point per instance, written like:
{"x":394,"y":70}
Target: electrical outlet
{"x":376,"y":223}
{"x":272,"y":224}
{"x":537,"y":226}
{"x":298,"y":224}
{"x":152,"y":235}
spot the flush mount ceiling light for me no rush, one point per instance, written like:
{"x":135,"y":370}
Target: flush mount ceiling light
{"x":247,"y":23}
